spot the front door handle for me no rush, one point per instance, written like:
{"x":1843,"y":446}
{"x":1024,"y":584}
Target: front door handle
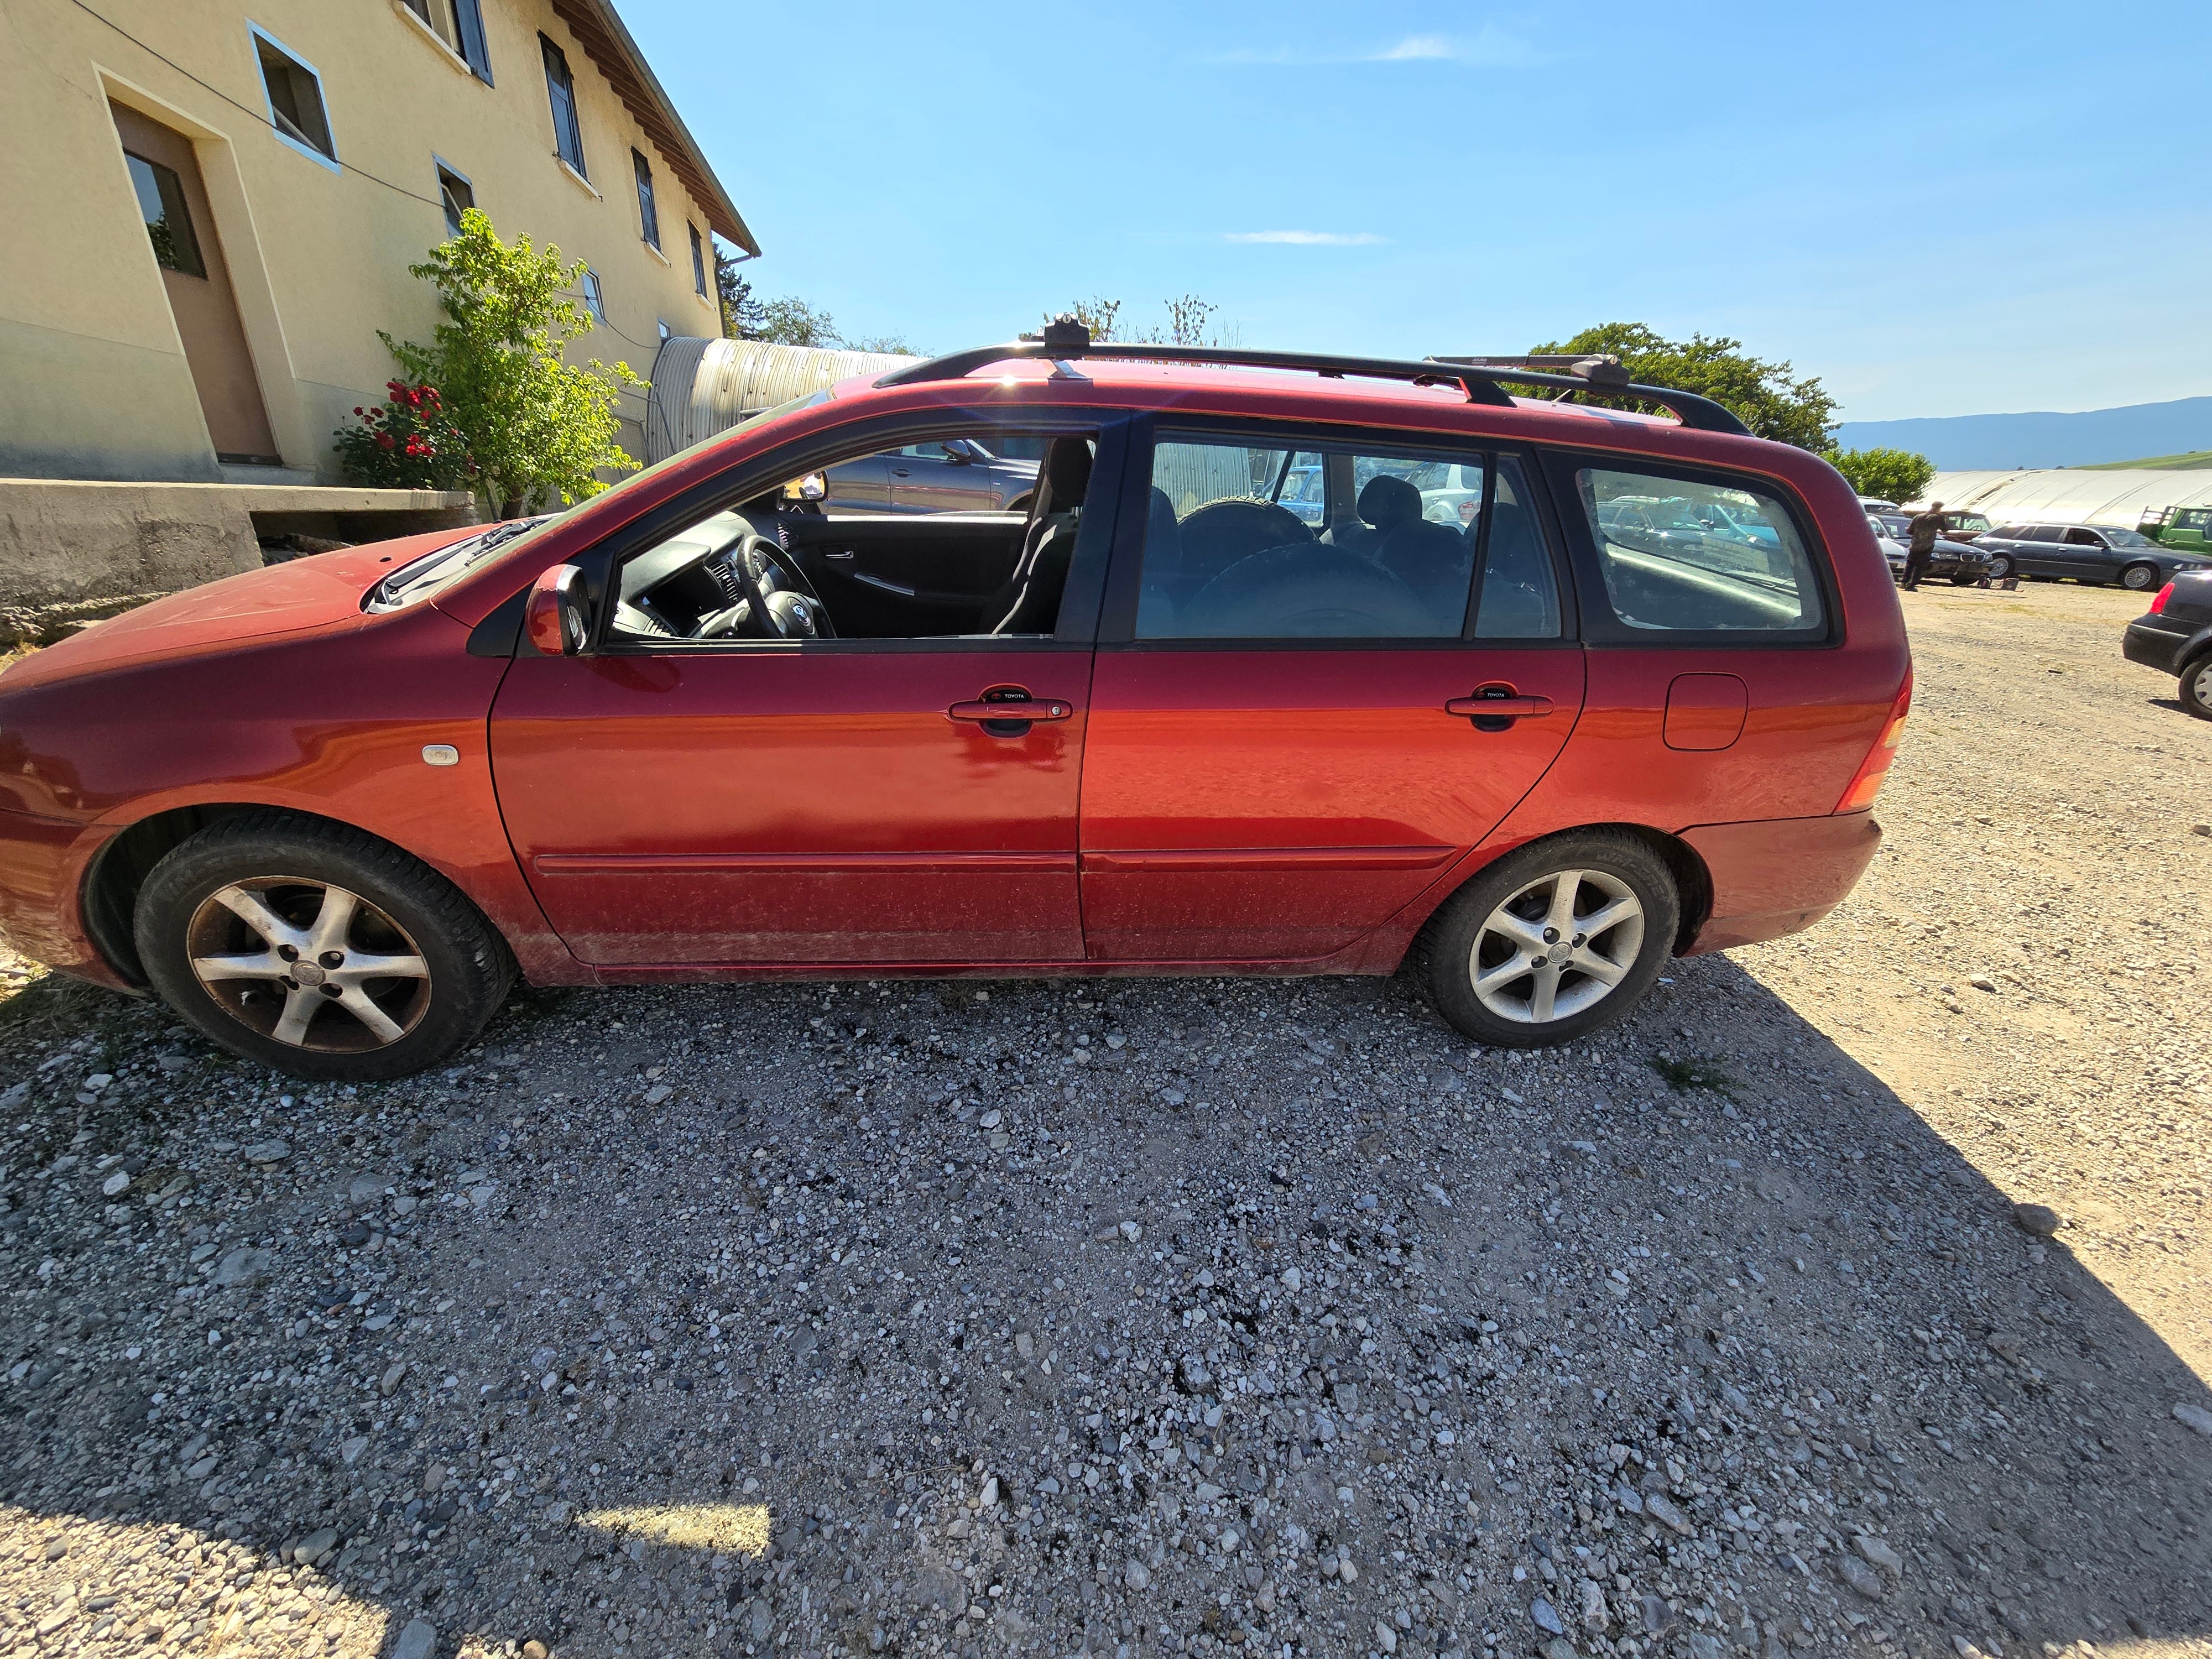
{"x":1011,"y":711}
{"x":1499,"y":703}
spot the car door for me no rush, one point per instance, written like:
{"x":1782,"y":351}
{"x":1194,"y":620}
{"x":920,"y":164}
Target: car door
{"x":751,"y":802}
{"x":2040,"y":551}
{"x":1285,"y":746}
{"x":862,"y":483}
{"x":2088,"y":557}
{"x":939,"y":477}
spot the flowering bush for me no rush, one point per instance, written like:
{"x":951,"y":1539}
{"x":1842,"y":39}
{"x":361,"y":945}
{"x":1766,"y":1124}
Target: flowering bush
{"x":407,"y":442}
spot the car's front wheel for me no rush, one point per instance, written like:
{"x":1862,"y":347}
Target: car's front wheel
{"x":317,"y":949}
{"x":2000,"y":568}
{"x":1552,"y":941}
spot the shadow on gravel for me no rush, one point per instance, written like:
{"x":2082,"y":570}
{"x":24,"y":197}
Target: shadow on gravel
{"x":730,"y":1320}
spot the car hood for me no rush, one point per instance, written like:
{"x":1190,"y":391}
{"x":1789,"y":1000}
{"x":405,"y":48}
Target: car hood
{"x":322,"y":591}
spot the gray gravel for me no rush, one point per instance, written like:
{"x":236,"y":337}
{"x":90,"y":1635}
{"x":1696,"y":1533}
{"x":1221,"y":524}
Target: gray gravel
{"x":1125,"y":1318}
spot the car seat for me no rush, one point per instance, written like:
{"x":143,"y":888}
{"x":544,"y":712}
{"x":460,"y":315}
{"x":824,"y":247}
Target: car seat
{"x":1028,"y":602}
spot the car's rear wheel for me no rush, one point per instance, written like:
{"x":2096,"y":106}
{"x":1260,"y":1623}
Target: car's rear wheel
{"x":317,"y":949}
{"x":1552,"y":941}
{"x":2197,"y":687}
{"x":2000,"y":568}
{"x":2139,"y":578}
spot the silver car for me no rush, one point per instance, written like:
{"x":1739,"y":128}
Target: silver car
{"x":957,"y":475}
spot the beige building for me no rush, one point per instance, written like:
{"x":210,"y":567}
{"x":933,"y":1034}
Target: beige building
{"x":211,"y":208}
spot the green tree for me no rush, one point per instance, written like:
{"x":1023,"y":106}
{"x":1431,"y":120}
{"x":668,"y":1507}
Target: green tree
{"x":741,"y":315}
{"x":1889,"y":475}
{"x":1768,"y":398}
{"x":1186,"y":326}
{"x":786,"y":321}
{"x":537,"y":426}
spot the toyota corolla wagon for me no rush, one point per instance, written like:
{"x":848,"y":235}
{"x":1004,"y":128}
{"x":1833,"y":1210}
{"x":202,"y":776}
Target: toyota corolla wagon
{"x":1225,"y":698}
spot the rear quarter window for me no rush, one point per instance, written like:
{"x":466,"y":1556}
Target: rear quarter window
{"x":1682,"y":555}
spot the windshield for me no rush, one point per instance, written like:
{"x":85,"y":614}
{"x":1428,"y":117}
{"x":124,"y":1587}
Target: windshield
{"x":1973,"y":521}
{"x":434,"y":572}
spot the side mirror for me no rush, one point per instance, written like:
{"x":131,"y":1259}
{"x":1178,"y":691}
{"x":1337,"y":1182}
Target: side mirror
{"x":957,"y":453}
{"x":554,"y":615}
{"x":814,"y":487}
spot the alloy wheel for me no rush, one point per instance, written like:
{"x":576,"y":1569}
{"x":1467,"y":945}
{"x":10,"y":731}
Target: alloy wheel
{"x":1557,"y":946}
{"x":308,"y":963}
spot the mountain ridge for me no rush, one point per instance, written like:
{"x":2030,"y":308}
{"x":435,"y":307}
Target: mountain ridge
{"x":1973,"y":443}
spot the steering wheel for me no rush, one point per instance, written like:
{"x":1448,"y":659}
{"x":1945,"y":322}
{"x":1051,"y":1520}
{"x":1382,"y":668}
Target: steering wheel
{"x":779,"y":603}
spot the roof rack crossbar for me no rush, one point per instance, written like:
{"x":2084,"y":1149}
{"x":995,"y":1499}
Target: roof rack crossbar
{"x":1479,"y":388}
{"x":1064,"y":340}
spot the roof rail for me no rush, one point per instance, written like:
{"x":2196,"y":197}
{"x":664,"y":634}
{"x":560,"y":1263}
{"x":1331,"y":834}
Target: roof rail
{"x":1065,"y":339}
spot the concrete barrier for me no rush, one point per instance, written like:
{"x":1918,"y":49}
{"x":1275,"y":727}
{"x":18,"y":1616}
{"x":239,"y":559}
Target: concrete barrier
{"x":62,"y":541}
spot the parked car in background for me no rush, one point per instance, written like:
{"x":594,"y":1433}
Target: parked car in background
{"x":2185,"y":529}
{"x":2175,"y":636}
{"x":2099,"y":554}
{"x":957,"y":475}
{"x":1960,"y":563}
{"x":1876,"y":504}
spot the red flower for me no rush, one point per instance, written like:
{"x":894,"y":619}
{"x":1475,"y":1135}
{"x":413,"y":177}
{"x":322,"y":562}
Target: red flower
{"x":386,"y":440}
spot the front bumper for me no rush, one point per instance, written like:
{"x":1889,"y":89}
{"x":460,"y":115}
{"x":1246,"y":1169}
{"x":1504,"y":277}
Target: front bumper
{"x":1778,"y":876}
{"x":42,"y":866}
{"x":2155,"y":645}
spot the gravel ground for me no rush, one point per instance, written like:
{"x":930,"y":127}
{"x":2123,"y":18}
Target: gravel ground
{"x":1156,"y":1318}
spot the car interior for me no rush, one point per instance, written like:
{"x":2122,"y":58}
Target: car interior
{"x":781,"y":567}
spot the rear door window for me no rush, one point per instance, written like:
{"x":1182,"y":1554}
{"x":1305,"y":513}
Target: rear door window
{"x":1697,"y":556}
{"x":1247,"y":542}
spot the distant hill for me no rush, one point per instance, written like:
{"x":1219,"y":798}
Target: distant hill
{"x":2196,"y":461}
{"x":1971,"y":443}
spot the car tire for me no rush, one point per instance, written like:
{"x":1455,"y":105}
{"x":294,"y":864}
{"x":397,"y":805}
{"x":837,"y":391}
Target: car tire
{"x":264,"y":932}
{"x":2139,"y":578}
{"x":1499,"y":919}
{"x":1963,"y":581}
{"x":2000,"y":568}
{"x":2197,"y":687}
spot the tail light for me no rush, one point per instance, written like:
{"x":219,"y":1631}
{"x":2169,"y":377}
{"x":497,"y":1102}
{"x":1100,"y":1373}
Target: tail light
{"x":1866,"y":782}
{"x":2157,"y":604}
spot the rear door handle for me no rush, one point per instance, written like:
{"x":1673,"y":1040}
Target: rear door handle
{"x":1499,"y":705}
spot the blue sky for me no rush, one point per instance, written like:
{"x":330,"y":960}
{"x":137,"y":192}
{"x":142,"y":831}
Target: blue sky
{"x":1938,"y":209}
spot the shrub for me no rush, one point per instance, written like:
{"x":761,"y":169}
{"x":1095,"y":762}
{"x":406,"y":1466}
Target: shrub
{"x":406,"y":442}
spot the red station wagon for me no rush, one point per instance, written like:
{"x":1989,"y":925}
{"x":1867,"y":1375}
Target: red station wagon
{"x":1473,"y":714}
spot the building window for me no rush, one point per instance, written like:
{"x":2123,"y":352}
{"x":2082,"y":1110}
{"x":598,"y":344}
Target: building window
{"x":295,"y":99}
{"x":595,"y":300}
{"x":169,"y":220}
{"x":561,"y":88}
{"x":460,"y":24}
{"x":456,"y":195}
{"x":647,"y":215}
{"x":698,"y":261}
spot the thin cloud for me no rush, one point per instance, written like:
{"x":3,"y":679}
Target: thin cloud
{"x":1487,"y":48}
{"x":1307,"y":238}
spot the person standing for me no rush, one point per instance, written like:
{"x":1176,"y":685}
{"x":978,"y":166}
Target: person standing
{"x":1920,"y":552}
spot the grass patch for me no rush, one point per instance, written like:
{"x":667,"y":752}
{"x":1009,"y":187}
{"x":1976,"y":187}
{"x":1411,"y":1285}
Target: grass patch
{"x":1684,"y":1075}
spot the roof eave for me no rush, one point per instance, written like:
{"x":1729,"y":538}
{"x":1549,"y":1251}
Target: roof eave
{"x":599,"y":29}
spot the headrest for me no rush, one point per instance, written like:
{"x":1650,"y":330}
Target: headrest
{"x":1066,"y":472}
{"x":1388,"y":500}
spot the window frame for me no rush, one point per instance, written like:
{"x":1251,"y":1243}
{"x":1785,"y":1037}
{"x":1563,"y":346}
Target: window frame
{"x":1117,"y":625}
{"x":698,"y":261}
{"x":446,"y":170}
{"x":754,"y":475}
{"x":1601,"y":625}
{"x":262,"y":37}
{"x":648,"y":203}
{"x":595,"y":296}
{"x":552,"y":56}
